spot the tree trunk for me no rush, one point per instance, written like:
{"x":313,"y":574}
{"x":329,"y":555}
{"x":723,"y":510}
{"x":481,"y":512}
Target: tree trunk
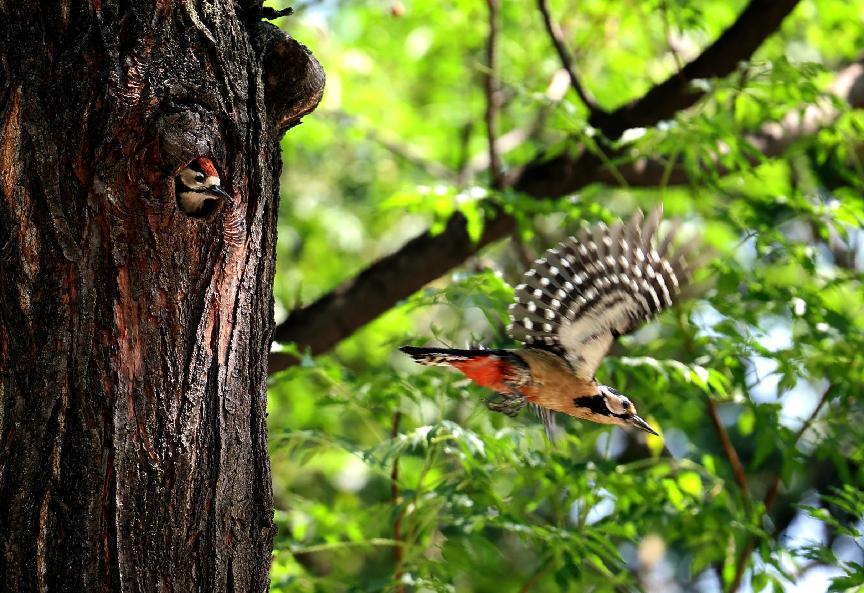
{"x":134,"y":339}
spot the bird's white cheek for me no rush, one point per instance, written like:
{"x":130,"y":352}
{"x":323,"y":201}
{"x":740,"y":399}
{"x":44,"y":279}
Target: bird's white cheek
{"x":188,"y":178}
{"x":614,"y":406}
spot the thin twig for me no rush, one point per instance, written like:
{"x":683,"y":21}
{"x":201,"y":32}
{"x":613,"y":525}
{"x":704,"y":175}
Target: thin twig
{"x":775,"y":485}
{"x":516,"y":137}
{"x":771,"y":495}
{"x":393,"y":145}
{"x":493,"y":94}
{"x":330,"y":546}
{"x":729,"y":449}
{"x":667,"y":33}
{"x":538,"y":574}
{"x":564,"y":55}
{"x":405,"y":152}
{"x":398,"y":550}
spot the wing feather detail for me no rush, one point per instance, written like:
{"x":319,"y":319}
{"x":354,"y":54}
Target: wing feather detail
{"x":596,"y":286}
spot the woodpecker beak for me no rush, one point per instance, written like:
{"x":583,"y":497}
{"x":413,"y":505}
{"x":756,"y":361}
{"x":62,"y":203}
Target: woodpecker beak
{"x":641,"y":425}
{"x":221,"y":193}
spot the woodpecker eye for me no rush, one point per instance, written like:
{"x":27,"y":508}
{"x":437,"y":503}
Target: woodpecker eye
{"x":199,"y":177}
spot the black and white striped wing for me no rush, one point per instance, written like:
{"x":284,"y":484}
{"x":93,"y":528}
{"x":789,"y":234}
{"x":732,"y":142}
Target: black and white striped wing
{"x":602,"y":283}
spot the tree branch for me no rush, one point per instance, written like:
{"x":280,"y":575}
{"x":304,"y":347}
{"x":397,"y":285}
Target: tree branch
{"x":538,"y":574}
{"x":293,"y":78}
{"x":358,"y":301}
{"x":565,"y":174}
{"x":564,"y":55}
{"x":514,"y":138}
{"x":338,"y":314}
{"x":737,"y":43}
{"x":354,"y":303}
{"x":729,"y":450}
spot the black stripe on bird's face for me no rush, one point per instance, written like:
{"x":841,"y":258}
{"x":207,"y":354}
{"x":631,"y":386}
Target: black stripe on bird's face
{"x":610,"y":407}
{"x":596,"y":404}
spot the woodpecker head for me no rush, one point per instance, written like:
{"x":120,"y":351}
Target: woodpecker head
{"x":198,"y":189}
{"x":610,"y":406}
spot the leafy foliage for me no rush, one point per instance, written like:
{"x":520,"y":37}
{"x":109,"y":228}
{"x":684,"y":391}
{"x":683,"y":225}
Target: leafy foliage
{"x":773,"y":343}
{"x":845,"y":505}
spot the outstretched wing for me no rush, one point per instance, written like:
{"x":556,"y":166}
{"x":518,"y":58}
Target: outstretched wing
{"x":592,"y":288}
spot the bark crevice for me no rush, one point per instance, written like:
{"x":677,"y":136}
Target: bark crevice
{"x":134,"y":339}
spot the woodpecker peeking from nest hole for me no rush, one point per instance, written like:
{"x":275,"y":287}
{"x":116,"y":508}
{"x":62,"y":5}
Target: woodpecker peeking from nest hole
{"x":198,"y":189}
{"x":571,"y":306}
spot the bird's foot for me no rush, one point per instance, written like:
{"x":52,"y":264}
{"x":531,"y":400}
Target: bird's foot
{"x":506,"y":404}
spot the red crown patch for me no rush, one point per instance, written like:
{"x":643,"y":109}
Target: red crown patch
{"x":207,"y":167}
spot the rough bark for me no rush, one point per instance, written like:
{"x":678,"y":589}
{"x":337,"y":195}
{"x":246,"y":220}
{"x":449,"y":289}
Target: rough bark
{"x":133,"y":339}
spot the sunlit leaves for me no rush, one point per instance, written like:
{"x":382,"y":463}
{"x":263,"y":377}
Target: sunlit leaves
{"x":442,"y":202}
{"x":843,"y":512}
{"x":394,"y":151}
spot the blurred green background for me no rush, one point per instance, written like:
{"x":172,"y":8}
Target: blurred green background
{"x":481,"y":502}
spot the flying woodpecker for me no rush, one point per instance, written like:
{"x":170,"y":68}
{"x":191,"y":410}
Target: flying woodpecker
{"x":570,"y":307}
{"x":198,"y":189}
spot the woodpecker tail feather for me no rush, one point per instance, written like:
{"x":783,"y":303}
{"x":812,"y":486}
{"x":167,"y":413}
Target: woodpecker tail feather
{"x":442,"y":357}
{"x":500,"y":370}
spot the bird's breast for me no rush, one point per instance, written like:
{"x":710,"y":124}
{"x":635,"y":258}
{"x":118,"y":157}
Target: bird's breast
{"x":553,"y":385}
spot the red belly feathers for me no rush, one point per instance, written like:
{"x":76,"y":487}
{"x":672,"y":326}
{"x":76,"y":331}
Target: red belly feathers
{"x":486,"y":371}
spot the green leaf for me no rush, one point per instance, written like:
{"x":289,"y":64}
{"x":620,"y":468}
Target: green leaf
{"x":690,"y":483}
